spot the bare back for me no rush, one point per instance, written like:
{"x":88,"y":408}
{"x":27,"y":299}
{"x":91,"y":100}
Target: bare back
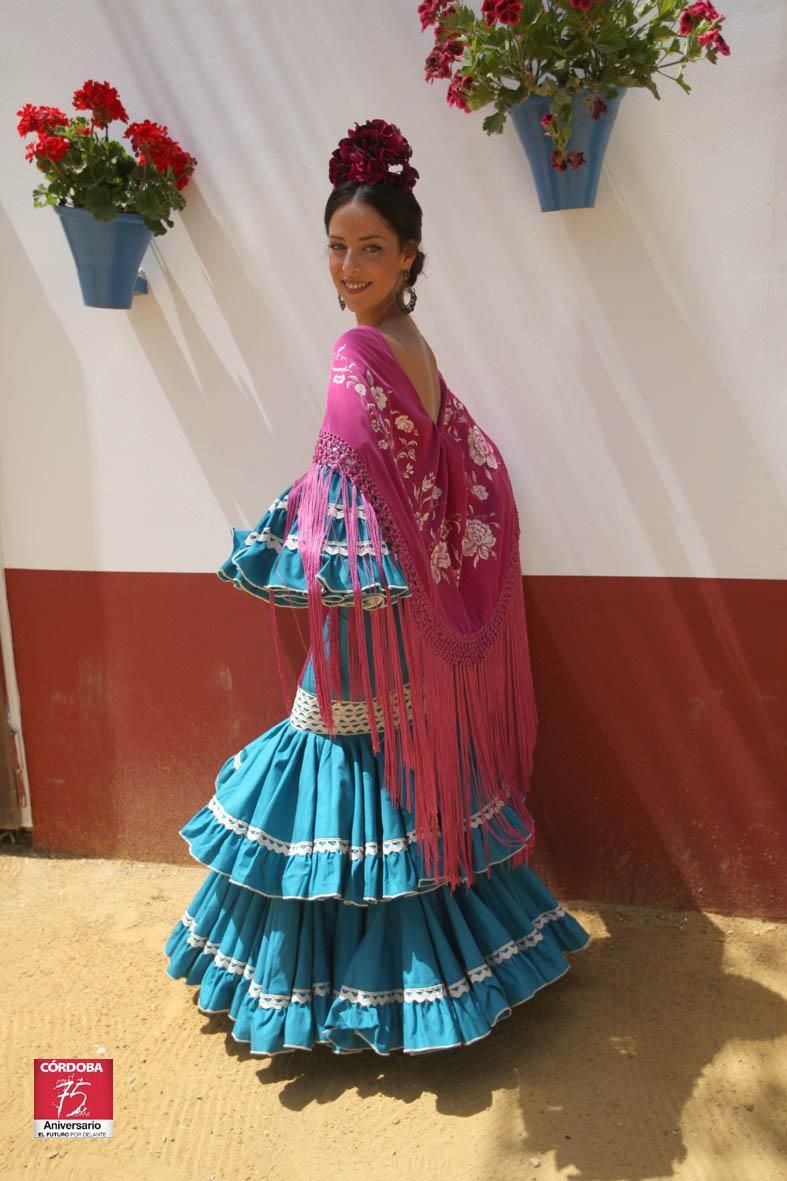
{"x":418,"y":362}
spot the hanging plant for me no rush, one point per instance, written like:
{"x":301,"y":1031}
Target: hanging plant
{"x":561,"y":50}
{"x":109,"y":202}
{"x":93,"y":172}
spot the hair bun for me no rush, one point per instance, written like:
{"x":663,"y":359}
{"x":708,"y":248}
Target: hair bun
{"x":367,"y":154}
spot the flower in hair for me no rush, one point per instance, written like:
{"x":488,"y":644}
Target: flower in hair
{"x":369,"y":152}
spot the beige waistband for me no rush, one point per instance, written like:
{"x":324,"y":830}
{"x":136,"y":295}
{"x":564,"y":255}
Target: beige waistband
{"x":350,"y":717}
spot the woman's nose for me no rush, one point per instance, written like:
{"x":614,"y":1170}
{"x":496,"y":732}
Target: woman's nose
{"x":350,"y":263}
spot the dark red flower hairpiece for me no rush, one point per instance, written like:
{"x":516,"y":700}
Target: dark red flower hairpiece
{"x":369,"y":152}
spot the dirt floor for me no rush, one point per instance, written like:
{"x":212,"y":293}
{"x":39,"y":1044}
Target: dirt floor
{"x":662,"y":1053}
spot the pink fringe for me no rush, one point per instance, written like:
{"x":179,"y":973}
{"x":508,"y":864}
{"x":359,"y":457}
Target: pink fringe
{"x":474,"y":721}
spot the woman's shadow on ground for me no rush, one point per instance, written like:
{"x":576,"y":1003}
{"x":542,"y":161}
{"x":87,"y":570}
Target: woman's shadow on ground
{"x":604,"y":1058}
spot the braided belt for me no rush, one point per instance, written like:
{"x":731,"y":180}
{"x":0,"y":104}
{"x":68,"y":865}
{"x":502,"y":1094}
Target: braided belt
{"x":350,"y":717}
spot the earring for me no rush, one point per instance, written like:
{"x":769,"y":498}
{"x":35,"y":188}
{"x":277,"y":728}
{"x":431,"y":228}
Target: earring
{"x":342,"y":304}
{"x":412,"y":297}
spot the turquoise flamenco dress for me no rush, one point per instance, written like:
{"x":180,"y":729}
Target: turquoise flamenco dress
{"x":316,"y":923}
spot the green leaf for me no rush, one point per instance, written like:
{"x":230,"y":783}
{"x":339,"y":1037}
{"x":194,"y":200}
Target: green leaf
{"x":98,"y":201}
{"x":493,"y":124}
{"x":42,"y":197}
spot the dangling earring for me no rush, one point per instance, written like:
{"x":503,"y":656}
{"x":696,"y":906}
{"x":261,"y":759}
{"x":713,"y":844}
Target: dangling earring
{"x":406,"y":308}
{"x":342,"y":304}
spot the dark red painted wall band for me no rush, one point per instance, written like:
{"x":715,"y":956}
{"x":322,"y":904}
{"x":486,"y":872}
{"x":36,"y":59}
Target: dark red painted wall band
{"x":661,"y":765}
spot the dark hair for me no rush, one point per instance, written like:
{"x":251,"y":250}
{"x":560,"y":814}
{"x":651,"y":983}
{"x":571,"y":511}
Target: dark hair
{"x":399,"y":208}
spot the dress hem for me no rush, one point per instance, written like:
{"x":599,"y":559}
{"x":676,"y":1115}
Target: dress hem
{"x":502,"y":1015}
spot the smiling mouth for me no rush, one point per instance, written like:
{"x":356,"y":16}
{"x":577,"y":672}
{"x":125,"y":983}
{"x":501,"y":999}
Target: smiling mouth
{"x":355,"y":289}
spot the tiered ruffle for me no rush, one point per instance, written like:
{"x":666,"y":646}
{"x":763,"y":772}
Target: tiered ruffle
{"x":302,"y":815}
{"x":426,"y":972}
{"x":267,"y":558}
{"x":317,"y":922}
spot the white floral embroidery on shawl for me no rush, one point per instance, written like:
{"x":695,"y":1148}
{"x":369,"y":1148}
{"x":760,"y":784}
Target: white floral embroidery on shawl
{"x":397,"y":433}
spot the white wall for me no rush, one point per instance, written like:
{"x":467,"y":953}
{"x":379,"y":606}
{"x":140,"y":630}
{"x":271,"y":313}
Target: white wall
{"x":630,"y":360}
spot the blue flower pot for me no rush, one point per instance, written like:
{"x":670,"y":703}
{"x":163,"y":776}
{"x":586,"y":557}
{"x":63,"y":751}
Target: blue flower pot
{"x":107,"y":254}
{"x":575,"y":188}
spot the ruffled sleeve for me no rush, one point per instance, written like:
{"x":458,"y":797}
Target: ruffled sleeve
{"x":267,"y":558}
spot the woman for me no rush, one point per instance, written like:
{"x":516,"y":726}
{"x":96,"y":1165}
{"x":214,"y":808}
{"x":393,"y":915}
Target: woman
{"x":368,"y":882}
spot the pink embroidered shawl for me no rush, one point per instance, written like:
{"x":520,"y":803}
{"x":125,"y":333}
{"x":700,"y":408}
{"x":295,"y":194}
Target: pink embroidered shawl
{"x":440,"y":496}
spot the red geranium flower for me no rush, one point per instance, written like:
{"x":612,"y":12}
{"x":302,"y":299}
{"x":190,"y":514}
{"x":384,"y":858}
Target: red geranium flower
{"x":102,"y":99}
{"x":146,"y":134}
{"x":48,"y":147}
{"x":153,"y":145}
{"x":40,"y":119}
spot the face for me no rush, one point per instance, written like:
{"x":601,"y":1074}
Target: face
{"x":363,"y":249}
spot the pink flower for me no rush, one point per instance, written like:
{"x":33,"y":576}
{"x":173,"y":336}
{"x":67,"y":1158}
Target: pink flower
{"x":459,"y":90}
{"x":561,"y":160}
{"x":488,"y":12}
{"x":547,"y":119}
{"x":692,"y":16}
{"x":437,"y":65}
{"x":507,"y":12}
{"x":431,"y":10}
{"x":440,"y":61}
{"x":714,"y":42}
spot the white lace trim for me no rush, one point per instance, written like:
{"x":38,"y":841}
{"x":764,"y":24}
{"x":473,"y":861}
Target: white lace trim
{"x":335,"y":509}
{"x":350,"y":717}
{"x":331,"y":844}
{"x":358,"y":996}
{"x":273,"y":541}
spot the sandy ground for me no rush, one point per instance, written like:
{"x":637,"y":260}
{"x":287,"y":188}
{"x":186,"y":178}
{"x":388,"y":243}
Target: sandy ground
{"x":662,"y":1053}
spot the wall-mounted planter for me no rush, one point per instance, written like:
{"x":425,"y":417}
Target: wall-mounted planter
{"x":107,"y":255}
{"x":575,"y":188}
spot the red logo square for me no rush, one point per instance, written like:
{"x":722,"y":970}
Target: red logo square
{"x":72,"y":1097}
